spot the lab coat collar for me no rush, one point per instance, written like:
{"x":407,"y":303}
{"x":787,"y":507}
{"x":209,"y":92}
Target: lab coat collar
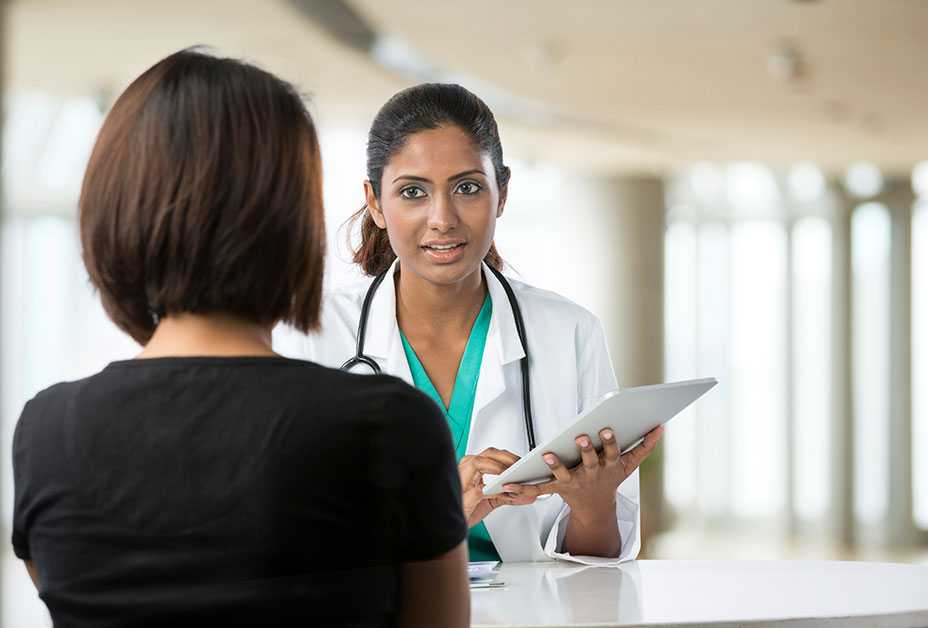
{"x":383,"y":342}
{"x":502,"y":324}
{"x":383,"y":333}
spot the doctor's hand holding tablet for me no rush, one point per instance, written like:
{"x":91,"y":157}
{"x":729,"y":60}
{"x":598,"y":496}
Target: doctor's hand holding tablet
{"x":505,"y":361}
{"x":606,"y":459}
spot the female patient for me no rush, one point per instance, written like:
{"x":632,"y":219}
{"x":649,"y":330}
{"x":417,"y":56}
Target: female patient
{"x":209,"y":481}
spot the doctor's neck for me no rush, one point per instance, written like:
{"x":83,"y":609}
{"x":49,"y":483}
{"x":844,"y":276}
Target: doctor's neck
{"x":427,"y":306}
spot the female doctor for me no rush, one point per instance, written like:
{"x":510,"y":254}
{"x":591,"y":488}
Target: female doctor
{"x":439,"y":317}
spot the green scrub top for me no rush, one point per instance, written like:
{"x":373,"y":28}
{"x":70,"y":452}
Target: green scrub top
{"x":462,"y":406}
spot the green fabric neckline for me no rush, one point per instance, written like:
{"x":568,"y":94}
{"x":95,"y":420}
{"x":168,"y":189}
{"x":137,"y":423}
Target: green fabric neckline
{"x":464,"y":390}
{"x":459,"y":410}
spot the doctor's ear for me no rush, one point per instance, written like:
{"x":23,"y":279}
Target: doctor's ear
{"x":503,"y":195}
{"x":373,"y":205}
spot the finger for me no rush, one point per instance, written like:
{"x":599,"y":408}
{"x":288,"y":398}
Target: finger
{"x":657,"y":434}
{"x":520,"y":490}
{"x":588,"y":455}
{"x":526,"y":491}
{"x":501,"y":455}
{"x":489,"y":465}
{"x":470,"y":467}
{"x":512,"y":500}
{"x":533,"y":490}
{"x":471,"y":498}
{"x":636,"y":456}
{"x":560,"y":472}
{"x":610,"y":446}
{"x":466,"y":470}
{"x":473,"y":493}
{"x":514,"y":494}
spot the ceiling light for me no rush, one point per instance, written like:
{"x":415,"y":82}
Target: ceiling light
{"x":785,"y":63}
{"x":920,"y":179}
{"x":806,"y":182}
{"x":863,"y":180}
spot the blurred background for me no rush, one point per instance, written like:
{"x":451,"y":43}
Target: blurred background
{"x":736,"y":187}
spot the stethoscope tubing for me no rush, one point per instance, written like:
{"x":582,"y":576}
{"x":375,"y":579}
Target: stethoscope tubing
{"x":360,"y":358}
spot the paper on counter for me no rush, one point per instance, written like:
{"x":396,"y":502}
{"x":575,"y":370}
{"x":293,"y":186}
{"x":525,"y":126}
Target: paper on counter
{"x":482,"y":574}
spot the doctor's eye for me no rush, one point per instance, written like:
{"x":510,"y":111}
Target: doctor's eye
{"x":468,"y":188}
{"x":412,"y":192}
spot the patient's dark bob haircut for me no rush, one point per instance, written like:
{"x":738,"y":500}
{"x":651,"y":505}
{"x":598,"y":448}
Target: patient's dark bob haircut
{"x":203,"y":194}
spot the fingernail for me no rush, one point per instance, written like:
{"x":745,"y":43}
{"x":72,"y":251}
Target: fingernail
{"x":607,"y":434}
{"x":549,"y":459}
{"x":511,"y":488}
{"x":584,"y":442}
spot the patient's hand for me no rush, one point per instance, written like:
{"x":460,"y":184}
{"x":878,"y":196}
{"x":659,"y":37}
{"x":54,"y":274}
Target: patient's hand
{"x":471,"y":469}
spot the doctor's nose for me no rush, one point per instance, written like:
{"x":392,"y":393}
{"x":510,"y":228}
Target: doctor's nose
{"x":443,"y":216}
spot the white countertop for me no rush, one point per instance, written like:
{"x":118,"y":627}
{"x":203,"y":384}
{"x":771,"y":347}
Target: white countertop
{"x":797,"y":594}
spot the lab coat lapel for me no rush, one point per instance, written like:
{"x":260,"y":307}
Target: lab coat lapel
{"x":490,"y":385}
{"x":502,"y":348}
{"x":397,"y":364}
{"x":500,"y":424}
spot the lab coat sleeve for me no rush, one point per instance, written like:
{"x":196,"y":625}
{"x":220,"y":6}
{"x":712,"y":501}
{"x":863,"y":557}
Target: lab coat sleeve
{"x":313,"y":346}
{"x":595,"y":378}
{"x":330,"y":345}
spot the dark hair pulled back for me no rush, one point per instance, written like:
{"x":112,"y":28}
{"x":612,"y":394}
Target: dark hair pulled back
{"x":420,"y":108}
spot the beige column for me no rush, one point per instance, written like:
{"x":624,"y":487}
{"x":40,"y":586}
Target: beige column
{"x":899,"y":198}
{"x":633,"y":220}
{"x":841,"y":493}
{"x":635,"y":227}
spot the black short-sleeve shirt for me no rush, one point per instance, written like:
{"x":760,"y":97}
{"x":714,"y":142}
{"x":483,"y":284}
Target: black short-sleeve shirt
{"x":230,"y":491}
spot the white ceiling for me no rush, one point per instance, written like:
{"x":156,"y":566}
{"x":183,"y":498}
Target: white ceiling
{"x":79,"y":47}
{"x":634,"y":84}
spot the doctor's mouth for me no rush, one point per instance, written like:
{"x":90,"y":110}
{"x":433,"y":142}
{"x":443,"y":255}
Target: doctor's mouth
{"x":445,"y":251}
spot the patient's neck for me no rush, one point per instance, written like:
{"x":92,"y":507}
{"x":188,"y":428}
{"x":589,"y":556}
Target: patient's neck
{"x":188,"y":334}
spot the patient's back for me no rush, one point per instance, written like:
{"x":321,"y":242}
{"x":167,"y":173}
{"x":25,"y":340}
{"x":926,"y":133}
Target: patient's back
{"x":230,"y":491}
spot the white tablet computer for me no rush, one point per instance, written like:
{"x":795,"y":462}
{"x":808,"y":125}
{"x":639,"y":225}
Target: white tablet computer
{"x":630,"y":413}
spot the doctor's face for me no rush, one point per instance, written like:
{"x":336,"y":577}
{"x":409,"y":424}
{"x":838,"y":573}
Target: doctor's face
{"x":439,"y":202}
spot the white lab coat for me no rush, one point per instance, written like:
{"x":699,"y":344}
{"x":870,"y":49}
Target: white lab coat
{"x":570,"y":370}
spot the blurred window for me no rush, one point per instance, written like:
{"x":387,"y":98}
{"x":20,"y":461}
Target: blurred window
{"x":870,"y":245}
{"x":726,"y":316}
{"x":680,"y":288}
{"x":758,"y":367}
{"x":811,"y":373}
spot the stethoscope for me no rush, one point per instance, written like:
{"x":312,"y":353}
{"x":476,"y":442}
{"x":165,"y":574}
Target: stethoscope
{"x":359,"y":357}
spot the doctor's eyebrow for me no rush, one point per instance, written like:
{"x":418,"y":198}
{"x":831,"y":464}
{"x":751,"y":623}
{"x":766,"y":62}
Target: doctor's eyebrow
{"x":451,"y":178}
